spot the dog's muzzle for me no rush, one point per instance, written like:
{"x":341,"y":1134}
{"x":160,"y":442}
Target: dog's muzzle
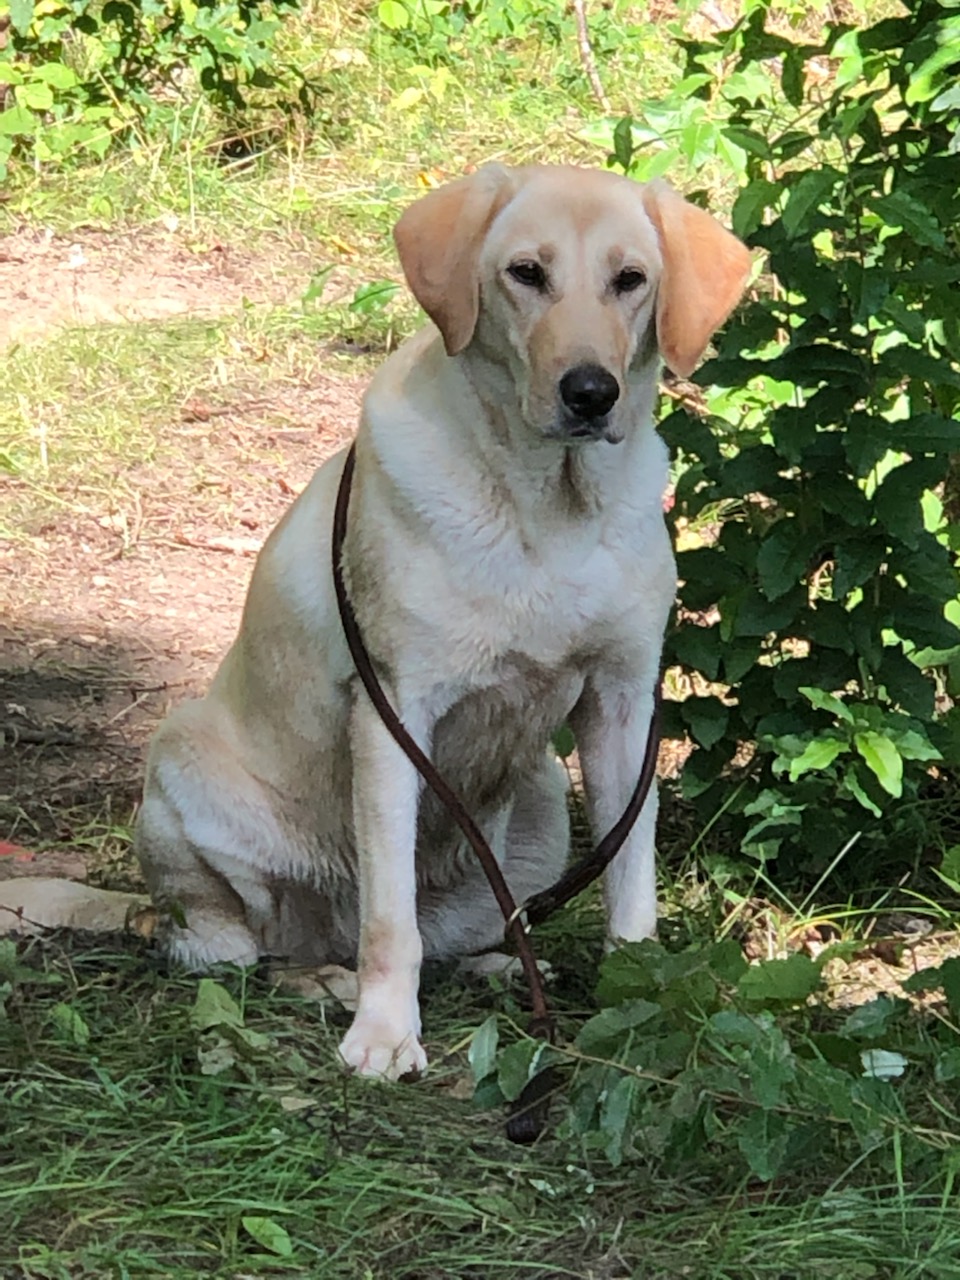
{"x":588,"y":393}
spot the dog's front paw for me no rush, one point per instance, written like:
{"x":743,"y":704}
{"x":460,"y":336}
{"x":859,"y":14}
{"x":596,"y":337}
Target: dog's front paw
{"x":374,"y":1047}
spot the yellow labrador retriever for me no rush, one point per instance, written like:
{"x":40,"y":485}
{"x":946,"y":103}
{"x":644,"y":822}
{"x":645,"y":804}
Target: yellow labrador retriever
{"x":509,"y":568}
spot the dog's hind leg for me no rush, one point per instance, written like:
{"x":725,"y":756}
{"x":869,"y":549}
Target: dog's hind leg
{"x":203,"y":915}
{"x":207,"y":841}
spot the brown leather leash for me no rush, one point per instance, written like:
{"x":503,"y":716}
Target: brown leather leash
{"x":528,"y":1113}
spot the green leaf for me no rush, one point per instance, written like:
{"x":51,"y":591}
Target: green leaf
{"x":707,"y":718}
{"x":805,"y":197}
{"x":871,"y":1020}
{"x":482,"y":1054}
{"x":374,"y":297}
{"x":737,"y":1028}
{"x":788,"y":981}
{"x":707,"y":575}
{"x":35,"y":94}
{"x":640,"y":970}
{"x":927,"y":568}
{"x":215,"y":1054}
{"x":757,"y":616}
{"x":615,"y":1023}
{"x":897,"y":500}
{"x":771,"y":1066}
{"x":853,"y":785}
{"x":214,"y":1006}
{"x":946,"y":976}
{"x":824,"y":701}
{"x":738,"y":659}
{"x":755,"y":143}
{"x":699,"y":648}
{"x":269,"y":1235}
{"x":762,"y":1141}
{"x":763,"y":1050}
{"x":828,"y":625}
{"x":883,"y":759}
{"x":869,"y":289}
{"x":623,"y":146}
{"x":942,"y":39}
{"x":21,"y":15}
{"x":56,"y":75}
{"x":408,"y":97}
{"x":818,"y":754}
{"x":792,"y":77}
{"x":394,"y":15}
{"x":615,"y":1110}
{"x":17,"y":120}
{"x":755,"y":469}
{"x":19,"y":974}
{"x":783,"y":557}
{"x":70,"y":1025}
{"x":792,"y":143}
{"x":913,"y":616}
{"x":912,"y":745}
{"x":948,"y":1066}
{"x":518,"y":1064}
{"x":949,"y":869}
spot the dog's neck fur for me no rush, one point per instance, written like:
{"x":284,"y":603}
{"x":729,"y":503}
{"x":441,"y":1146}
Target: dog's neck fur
{"x":508,"y":474}
{"x":551,"y":478}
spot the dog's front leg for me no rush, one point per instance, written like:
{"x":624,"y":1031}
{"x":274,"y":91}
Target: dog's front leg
{"x":384,"y":1038}
{"x":611,"y":723}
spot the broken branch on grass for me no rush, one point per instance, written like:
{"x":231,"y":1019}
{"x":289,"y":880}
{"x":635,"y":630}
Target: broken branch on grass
{"x":13,"y":734}
{"x":587,"y":60}
{"x":229,"y":546}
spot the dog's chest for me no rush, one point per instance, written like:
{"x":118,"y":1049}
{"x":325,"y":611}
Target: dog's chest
{"x":508,"y":620}
{"x":492,"y":732}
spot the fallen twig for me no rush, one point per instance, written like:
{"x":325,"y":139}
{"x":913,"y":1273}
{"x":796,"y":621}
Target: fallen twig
{"x":12,"y":734}
{"x":587,"y":59}
{"x":229,"y":546}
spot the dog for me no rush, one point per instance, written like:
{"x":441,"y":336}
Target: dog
{"x":508,"y":564}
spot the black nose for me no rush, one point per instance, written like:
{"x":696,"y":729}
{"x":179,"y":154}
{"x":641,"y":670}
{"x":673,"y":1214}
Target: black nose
{"x":589,"y":391}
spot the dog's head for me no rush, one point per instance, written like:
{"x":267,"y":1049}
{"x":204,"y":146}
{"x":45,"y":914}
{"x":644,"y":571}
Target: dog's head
{"x":573,"y":279}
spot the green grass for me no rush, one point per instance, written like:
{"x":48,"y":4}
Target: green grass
{"x":93,"y":419}
{"x":121,"y":1158}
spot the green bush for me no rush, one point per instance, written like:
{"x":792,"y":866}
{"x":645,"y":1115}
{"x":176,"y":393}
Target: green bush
{"x":699,"y":1059}
{"x":817,"y":614}
{"x":76,"y":74}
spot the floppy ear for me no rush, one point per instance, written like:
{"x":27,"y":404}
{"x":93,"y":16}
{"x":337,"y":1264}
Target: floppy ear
{"x":439,"y":240}
{"x":705,"y":269}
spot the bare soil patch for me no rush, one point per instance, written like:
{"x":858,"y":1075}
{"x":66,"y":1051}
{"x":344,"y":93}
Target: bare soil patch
{"x":94,"y":277}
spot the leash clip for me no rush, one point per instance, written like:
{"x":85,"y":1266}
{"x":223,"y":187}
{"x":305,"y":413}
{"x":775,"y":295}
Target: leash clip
{"x":518,"y":913}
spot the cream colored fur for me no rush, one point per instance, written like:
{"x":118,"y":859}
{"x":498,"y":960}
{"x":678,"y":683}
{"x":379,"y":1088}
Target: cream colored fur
{"x":507,"y":577}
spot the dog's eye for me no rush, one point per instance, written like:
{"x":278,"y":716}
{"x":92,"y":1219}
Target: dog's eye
{"x":629,"y":279}
{"x":528,"y":273}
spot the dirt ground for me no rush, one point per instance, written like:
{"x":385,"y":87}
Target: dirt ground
{"x":93,"y":277}
{"x":106,"y":620}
